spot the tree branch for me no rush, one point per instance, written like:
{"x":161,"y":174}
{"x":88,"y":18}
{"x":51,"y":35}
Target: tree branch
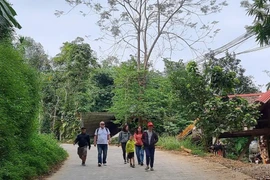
{"x":132,"y":18}
{"x":160,"y":32}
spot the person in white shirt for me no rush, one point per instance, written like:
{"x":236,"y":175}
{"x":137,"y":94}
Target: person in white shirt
{"x":101,"y":140}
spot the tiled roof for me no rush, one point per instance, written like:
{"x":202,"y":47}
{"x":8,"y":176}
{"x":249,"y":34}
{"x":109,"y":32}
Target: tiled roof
{"x":264,"y":98}
{"x":251,"y":98}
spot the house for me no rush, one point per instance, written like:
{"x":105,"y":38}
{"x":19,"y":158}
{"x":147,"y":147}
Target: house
{"x":262,"y":129}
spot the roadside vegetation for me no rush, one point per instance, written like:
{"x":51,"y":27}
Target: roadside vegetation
{"x":173,"y":144}
{"x":24,"y":153}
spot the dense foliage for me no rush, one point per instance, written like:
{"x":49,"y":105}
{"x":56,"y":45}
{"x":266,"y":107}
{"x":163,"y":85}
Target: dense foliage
{"x":259,"y":9}
{"x":204,"y":97}
{"x":23,"y":152}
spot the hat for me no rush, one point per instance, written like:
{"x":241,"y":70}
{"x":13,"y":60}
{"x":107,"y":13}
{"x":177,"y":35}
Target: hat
{"x":150,"y":124}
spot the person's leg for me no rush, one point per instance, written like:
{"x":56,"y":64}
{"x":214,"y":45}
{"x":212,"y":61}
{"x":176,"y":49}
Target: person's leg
{"x":133,"y":161}
{"x":124,"y":151}
{"x":99,"y":154}
{"x":84,"y":155}
{"x":138,"y":151}
{"x":152,"y":155}
{"x":79,"y":152}
{"x":141,"y":155}
{"x":105,"y":150}
{"x":147,"y":152}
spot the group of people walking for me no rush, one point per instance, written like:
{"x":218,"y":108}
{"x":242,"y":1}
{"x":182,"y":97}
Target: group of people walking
{"x":140,"y":142}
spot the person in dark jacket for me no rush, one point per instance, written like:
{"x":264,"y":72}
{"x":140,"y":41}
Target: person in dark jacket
{"x":83,"y":141}
{"x":149,"y":139}
{"x":122,"y":140}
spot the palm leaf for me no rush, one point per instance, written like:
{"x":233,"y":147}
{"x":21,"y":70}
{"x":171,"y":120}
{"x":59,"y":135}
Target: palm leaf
{"x":7,"y":14}
{"x":268,"y":86}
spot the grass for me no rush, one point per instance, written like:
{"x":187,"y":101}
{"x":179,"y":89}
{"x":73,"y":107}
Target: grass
{"x":34,"y":160}
{"x":172,"y":143}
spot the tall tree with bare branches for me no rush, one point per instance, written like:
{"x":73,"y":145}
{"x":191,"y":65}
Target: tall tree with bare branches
{"x":150,"y":27}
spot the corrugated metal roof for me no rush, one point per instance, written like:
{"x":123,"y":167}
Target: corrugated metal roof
{"x":264,"y":98}
{"x":251,"y":98}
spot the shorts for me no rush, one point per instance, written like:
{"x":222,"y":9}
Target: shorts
{"x":130,"y":155}
{"x":82,"y":151}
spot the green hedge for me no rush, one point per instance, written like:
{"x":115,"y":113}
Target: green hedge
{"x":42,"y":153}
{"x":24,"y":154}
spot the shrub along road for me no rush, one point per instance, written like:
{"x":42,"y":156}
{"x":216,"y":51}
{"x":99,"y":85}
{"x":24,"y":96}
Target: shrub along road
{"x":168,"y":166}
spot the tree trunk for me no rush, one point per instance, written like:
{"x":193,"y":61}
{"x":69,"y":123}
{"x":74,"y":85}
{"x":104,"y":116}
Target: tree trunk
{"x":54,"y":114}
{"x":245,"y":149}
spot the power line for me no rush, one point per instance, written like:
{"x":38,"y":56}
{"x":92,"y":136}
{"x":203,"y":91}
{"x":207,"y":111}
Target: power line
{"x":253,"y":50}
{"x":227,"y":46}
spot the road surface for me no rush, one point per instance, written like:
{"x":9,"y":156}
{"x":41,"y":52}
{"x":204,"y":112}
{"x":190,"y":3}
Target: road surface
{"x":168,"y":166}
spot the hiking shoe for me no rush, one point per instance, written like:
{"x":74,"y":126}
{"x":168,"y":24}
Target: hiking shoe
{"x":99,"y":164}
{"x":152,"y":169}
{"x":147,"y":168}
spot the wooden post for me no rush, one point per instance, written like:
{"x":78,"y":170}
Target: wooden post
{"x":268,"y":149}
{"x":245,"y":148}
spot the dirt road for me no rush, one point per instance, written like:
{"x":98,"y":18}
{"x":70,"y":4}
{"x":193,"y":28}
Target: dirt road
{"x":168,"y":166}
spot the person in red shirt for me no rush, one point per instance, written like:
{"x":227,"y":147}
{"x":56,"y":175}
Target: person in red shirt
{"x":149,"y":139}
{"x":139,"y":145}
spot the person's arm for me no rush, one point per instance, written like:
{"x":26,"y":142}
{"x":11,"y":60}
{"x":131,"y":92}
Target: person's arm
{"x":109,"y":136}
{"x":143,"y":138}
{"x":88,"y":141}
{"x":155,"y":138}
{"x":119,"y":138}
{"x":95,"y":138}
{"x":127,"y":147}
{"x":129,"y":135}
{"x":76,"y":140}
{"x":135,"y":137}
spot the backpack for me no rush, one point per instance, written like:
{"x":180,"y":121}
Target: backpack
{"x":98,"y":130}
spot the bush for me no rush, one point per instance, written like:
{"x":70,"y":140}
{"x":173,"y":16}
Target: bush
{"x":172,"y":143}
{"x":19,"y":100}
{"x":24,"y":154}
{"x":42,"y":153}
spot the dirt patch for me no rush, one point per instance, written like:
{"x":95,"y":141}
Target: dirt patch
{"x":256,"y":171}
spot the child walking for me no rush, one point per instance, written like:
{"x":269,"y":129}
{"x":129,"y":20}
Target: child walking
{"x":130,"y":148}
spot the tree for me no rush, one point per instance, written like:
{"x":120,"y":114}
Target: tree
{"x":229,"y":63}
{"x":145,"y":25}
{"x":100,"y":90}
{"x":204,"y":97}
{"x":260,"y":9}
{"x":154,"y":104}
{"x":33,"y":53}
{"x":70,"y":78}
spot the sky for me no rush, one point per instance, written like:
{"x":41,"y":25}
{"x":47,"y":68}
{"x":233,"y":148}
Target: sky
{"x":39,"y":22}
